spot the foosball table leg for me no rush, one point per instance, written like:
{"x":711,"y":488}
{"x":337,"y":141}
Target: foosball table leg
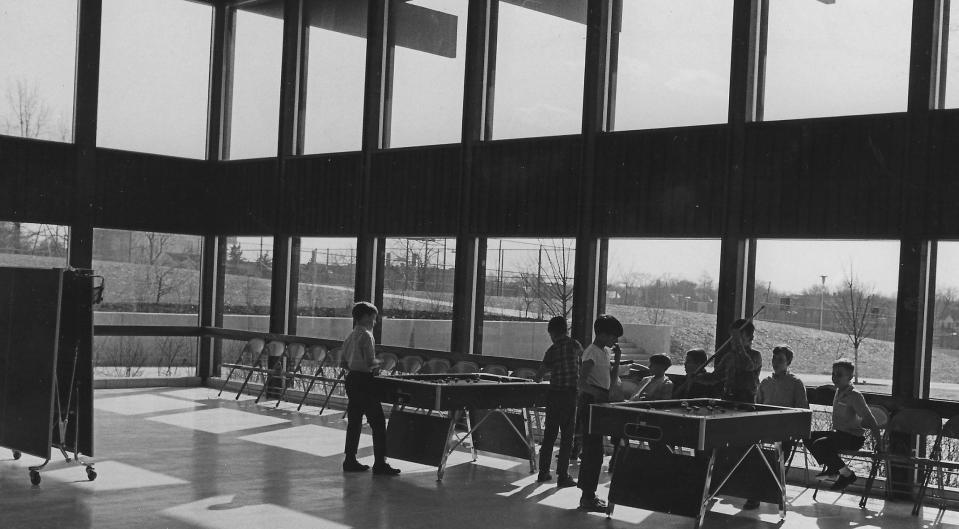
{"x":469,"y":433}
{"x":530,"y":443}
{"x":454,"y":416}
{"x":704,"y":505}
{"x":782,"y":480}
{"x":609,"y":509}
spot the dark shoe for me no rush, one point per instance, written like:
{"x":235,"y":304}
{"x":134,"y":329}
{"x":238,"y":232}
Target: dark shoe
{"x":544,"y":476}
{"x":843,"y":482}
{"x":592,"y":505}
{"x":565,"y":481}
{"x":384,"y":469}
{"x":751,"y":505}
{"x":352,"y":465}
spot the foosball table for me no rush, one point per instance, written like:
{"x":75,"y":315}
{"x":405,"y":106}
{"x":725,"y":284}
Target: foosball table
{"x":678,"y":455}
{"x":493,"y":412}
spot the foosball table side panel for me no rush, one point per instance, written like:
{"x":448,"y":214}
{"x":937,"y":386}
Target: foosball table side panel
{"x":492,"y":396}
{"x":398,"y":391}
{"x":741,"y":430}
{"x":656,"y":479}
{"x":417,"y":437}
{"x":624,"y":423}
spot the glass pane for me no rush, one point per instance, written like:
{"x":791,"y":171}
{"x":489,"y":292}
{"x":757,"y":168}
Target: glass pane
{"x":664,"y":293}
{"x":335,"y":76}
{"x":540,"y":57}
{"x":37,"y":64}
{"x":150,"y":278}
{"x":144,"y":356}
{"x":428,"y":62}
{"x":418,"y":293}
{"x":154,"y":77}
{"x":952,"y":59}
{"x":258,"y":50}
{"x":33,"y":245}
{"x":249,"y":274}
{"x":944,"y":368}
{"x":673,"y":67}
{"x":528,"y":281}
{"x":327,"y":273}
{"x":821,"y":298}
{"x":828,"y":58}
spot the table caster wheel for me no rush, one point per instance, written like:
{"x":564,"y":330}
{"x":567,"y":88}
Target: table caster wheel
{"x":34,"y":477}
{"x":16,"y":454}
{"x":91,"y":474}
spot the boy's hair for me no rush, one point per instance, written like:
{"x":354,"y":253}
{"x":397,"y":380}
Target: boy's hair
{"x":747,"y":328}
{"x":845,"y":364}
{"x":785,"y":351}
{"x":697,"y":355}
{"x":557,"y":325}
{"x":363,"y":308}
{"x":660,"y":360}
{"x":606,"y":324}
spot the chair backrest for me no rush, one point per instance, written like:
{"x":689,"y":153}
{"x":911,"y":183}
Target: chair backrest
{"x":465,"y":366}
{"x":275,"y":348}
{"x":825,"y":393}
{"x":296,"y":351}
{"x":525,"y":372}
{"x":437,"y":365}
{"x":255,"y":347}
{"x":411,"y":364}
{"x":388,"y":361}
{"x":630,"y":388}
{"x":881,"y":414}
{"x":317,"y":353}
{"x":951,"y":428}
{"x":495,"y":369}
{"x":915,"y":422}
{"x":334,"y":358}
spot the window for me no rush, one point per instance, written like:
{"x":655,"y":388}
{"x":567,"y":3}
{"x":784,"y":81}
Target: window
{"x":822,"y":298}
{"x":37,"y":64}
{"x":664,"y":293}
{"x":325,"y":295}
{"x":429,"y":56}
{"x":258,"y":51}
{"x":673,"y":66}
{"x":837,"y":58}
{"x":951,"y":39}
{"x":945,"y":326}
{"x":249,"y":275}
{"x":154,"y":77}
{"x":33,"y":245}
{"x":528,"y":281}
{"x":150,"y":278}
{"x":335,"y":76}
{"x":418,"y":292}
{"x":540,"y":58}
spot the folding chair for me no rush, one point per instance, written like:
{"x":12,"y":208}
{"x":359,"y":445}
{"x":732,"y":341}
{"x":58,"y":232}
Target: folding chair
{"x":950,"y":430}
{"x":259,"y":366}
{"x":525,"y":372}
{"x":465,"y":366}
{"x":913,"y":422}
{"x":870,"y":449}
{"x":495,"y":369}
{"x":410,"y":364}
{"x":255,"y":348}
{"x":317,"y":354}
{"x":335,"y":360}
{"x":295,"y":352}
{"x":388,"y":362}
{"x":276,"y":362}
{"x":436,"y":365}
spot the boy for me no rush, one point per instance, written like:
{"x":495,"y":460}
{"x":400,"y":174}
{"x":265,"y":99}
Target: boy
{"x":740,"y":364}
{"x":782,"y":388}
{"x":562,"y":360}
{"x":656,"y":386}
{"x":595,"y":374}
{"x":851,"y":417}
{"x":359,"y":355}
{"x":703,"y":385}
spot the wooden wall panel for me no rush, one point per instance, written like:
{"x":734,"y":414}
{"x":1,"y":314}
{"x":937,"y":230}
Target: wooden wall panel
{"x":416,"y":191}
{"x":321,"y":194}
{"x":938,"y":193}
{"x":666,"y":183}
{"x":243,"y":197}
{"x":37,"y":180}
{"x":838,"y":177}
{"x":526,"y":187}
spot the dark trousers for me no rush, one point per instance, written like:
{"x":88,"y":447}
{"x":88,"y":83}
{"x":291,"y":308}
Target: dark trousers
{"x":591,"y":462}
{"x":560,"y":417}
{"x":825,"y":447}
{"x":362,"y":401}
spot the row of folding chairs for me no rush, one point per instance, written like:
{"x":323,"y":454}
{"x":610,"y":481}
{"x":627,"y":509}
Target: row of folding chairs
{"x":415,"y":364}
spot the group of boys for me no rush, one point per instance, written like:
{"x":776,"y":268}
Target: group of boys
{"x":579,"y":378}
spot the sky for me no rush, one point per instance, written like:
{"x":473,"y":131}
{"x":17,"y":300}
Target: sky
{"x":847,"y":57}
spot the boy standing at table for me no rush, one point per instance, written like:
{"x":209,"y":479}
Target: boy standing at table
{"x":595,"y":375}
{"x":360,"y":357}
{"x":562,"y":361}
{"x":740,"y":364}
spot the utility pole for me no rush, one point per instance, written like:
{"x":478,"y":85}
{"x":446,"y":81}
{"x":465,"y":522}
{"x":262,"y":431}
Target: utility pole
{"x":822,"y":297}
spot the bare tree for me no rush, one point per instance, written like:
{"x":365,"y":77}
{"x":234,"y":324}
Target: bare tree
{"x":856,"y":313}
{"x":28,"y":115}
{"x":554,"y":276}
{"x":162,"y":277}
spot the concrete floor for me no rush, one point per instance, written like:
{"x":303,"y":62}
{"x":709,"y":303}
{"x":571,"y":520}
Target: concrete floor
{"x":181,"y":458}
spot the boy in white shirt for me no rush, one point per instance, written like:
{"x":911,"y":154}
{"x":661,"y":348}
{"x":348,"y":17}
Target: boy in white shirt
{"x":656,"y":386}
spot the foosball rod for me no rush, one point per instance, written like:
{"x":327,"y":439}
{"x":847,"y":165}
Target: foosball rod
{"x":719,"y":350}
